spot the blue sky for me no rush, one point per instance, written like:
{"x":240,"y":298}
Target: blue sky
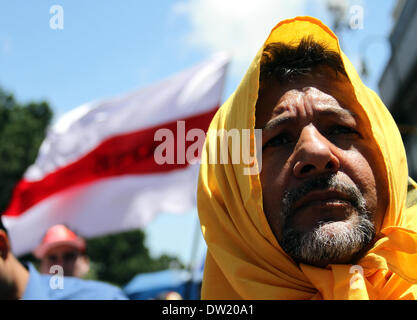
{"x":110,"y":47}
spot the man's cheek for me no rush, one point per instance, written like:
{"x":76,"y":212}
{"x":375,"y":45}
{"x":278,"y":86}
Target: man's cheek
{"x":356,"y":165}
{"x":274,"y":178}
{"x":359,"y":170}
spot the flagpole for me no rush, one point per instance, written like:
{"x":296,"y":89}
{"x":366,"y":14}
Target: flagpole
{"x":194,"y":251}
{"x":196,"y":242}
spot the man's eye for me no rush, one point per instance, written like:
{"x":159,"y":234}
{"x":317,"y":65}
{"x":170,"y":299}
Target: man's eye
{"x":70,"y":256}
{"x":52,"y":259}
{"x":279,"y":140}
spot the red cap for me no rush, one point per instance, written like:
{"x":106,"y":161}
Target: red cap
{"x":56,"y":236}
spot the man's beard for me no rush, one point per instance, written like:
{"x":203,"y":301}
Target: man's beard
{"x":329,"y":241}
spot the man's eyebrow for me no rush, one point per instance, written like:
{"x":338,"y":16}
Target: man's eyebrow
{"x":330,"y":111}
{"x":276,"y":122}
{"x":341,"y":112}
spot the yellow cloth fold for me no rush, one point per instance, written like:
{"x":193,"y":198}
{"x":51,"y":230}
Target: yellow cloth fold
{"x":244,"y":260}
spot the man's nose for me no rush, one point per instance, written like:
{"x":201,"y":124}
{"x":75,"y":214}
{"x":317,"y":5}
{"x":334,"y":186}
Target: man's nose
{"x":60,"y":261}
{"x":314,"y":155}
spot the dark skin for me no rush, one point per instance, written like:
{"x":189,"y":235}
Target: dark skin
{"x":314,"y":127}
{"x":13,"y":275}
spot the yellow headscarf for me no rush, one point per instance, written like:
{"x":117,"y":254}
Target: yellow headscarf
{"x":244,"y":260}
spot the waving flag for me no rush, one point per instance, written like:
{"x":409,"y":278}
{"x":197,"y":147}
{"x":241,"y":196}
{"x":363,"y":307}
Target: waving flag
{"x":96,"y":171}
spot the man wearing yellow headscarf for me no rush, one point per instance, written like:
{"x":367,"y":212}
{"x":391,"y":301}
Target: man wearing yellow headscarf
{"x":326,"y":214}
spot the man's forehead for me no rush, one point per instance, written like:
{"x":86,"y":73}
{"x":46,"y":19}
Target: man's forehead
{"x":324,"y":94}
{"x":308,"y":97}
{"x":296,"y":102}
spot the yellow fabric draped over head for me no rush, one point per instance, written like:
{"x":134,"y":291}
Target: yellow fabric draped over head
{"x":244,"y":260}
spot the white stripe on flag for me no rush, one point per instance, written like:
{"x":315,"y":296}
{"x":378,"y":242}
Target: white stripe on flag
{"x":108,"y":206}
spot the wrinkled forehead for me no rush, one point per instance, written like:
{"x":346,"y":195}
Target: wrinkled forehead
{"x":320,"y":89}
{"x":311,"y":96}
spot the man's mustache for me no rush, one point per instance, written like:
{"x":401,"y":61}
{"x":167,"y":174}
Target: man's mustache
{"x":322,"y":183}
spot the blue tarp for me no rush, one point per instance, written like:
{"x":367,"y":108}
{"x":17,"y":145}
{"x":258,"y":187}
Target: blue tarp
{"x":150,"y":285}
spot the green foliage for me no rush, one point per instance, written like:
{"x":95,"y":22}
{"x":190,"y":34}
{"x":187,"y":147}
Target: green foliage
{"x":22,"y":130}
{"x":119,"y":257}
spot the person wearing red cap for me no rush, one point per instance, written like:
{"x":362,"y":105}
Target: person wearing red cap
{"x":22,"y":281}
{"x":61,"y":246}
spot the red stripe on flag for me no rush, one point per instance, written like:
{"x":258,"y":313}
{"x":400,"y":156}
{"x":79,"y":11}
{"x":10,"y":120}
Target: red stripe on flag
{"x":131,"y":153}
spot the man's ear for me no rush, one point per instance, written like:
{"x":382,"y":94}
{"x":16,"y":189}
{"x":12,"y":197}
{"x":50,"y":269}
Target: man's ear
{"x":4,"y":245}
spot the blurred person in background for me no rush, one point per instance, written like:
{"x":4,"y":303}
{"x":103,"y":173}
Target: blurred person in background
{"x":170,"y":295}
{"x":22,"y":281}
{"x":61,"y":246}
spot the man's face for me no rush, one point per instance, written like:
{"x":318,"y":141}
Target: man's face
{"x":69,"y":258}
{"x":319,"y":187}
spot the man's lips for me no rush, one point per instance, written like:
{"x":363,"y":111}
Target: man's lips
{"x":323,"y":198}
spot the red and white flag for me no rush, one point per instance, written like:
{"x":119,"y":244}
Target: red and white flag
{"x":96,"y":171}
